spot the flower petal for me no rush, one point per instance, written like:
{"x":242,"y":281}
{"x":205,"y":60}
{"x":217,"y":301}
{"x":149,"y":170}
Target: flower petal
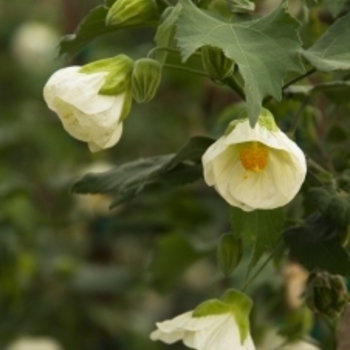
{"x":175,"y":324}
{"x":168,"y":338}
{"x":78,"y":89}
{"x":227,"y":169}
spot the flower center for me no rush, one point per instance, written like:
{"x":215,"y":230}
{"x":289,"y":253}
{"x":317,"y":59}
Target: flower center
{"x":254,"y":156}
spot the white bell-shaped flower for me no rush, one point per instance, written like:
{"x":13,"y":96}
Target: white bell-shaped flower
{"x":85,"y":112}
{"x":213,"y":325}
{"x":255,"y":168}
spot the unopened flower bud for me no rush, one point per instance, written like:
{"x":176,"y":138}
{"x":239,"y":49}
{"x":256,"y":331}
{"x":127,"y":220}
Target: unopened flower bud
{"x":215,"y":63}
{"x":230,"y":251}
{"x":132,"y":13}
{"x":145,"y":80}
{"x":327,"y":294}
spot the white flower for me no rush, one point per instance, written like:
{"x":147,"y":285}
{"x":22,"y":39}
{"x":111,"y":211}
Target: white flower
{"x":85,"y":114}
{"x":214,"y":332}
{"x":255,"y":168}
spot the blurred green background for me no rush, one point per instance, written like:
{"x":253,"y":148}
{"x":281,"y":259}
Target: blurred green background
{"x":69,"y":268}
{"x":95,"y":279}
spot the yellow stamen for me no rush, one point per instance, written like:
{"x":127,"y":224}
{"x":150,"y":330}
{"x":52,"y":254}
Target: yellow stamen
{"x":254,"y":156}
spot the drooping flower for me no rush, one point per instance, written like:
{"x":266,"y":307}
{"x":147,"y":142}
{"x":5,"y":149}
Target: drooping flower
{"x":255,"y":168}
{"x":213,"y":325}
{"x":92,"y":101}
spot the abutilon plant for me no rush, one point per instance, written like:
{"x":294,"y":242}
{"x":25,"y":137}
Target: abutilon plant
{"x":287,"y":198}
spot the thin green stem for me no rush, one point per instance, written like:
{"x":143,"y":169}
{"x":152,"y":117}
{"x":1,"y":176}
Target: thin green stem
{"x":300,"y":77}
{"x":185,"y":69}
{"x":297,"y":116}
{"x":233,"y":84}
{"x":167,"y":49}
{"x":262,"y":266}
{"x":312,"y":164}
{"x":291,"y":82}
{"x":161,"y":48}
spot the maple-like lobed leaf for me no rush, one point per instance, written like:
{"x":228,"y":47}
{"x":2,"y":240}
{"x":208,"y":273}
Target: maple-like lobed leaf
{"x":265,"y":49}
{"x":332,"y":51}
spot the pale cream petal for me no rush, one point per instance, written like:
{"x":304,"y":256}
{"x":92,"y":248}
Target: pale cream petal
{"x":208,"y":159}
{"x":223,"y":335}
{"x":57,"y":78}
{"x":223,"y":168}
{"x":257,"y":190}
{"x":249,"y":344}
{"x":78,"y":89}
{"x":168,"y":338}
{"x":176,"y":323}
{"x":243,"y":132}
{"x":70,"y":122}
{"x":106,"y":140}
{"x":287,"y":177}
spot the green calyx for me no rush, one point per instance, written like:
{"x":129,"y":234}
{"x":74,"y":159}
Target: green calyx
{"x":265,"y":120}
{"x":327,"y":294}
{"x":132,"y":13}
{"x":216,"y":64}
{"x":232,"y":302}
{"x":229,"y":254}
{"x":119,"y":70}
{"x":146,"y":76}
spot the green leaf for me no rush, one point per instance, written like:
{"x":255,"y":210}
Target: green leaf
{"x":259,"y":229}
{"x":264,"y":49}
{"x":126,"y":181}
{"x":165,"y":32}
{"x":92,"y":26}
{"x":317,"y":246}
{"x":174,"y":254}
{"x":332,"y":51}
{"x":335,"y":204}
{"x":335,"y":6}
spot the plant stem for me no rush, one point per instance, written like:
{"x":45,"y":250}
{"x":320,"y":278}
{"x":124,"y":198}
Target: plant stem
{"x":167,"y":49}
{"x":312,"y":164}
{"x":262,"y":266}
{"x":309,"y":72}
{"x":233,"y":84}
{"x":291,"y":82}
{"x":294,"y":126}
{"x":161,"y":48}
{"x":185,"y":69}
